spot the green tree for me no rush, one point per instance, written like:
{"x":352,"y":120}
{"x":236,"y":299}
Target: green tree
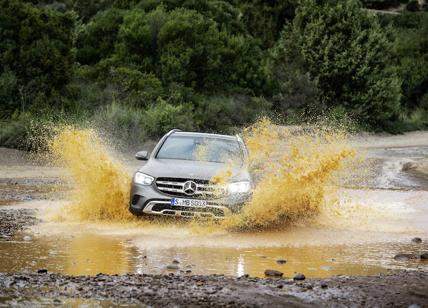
{"x":411,"y":53}
{"x":226,"y":14}
{"x":35,"y":53}
{"x":265,"y":19}
{"x":345,"y":50}
{"x":183,"y":46}
{"x":97,"y":38}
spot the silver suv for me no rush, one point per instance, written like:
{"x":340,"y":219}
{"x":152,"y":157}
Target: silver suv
{"x":177,"y":178}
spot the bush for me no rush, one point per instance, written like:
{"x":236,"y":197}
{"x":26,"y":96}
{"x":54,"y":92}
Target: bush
{"x":96,"y":39}
{"x":130,"y":126}
{"x":36,"y":48}
{"x":14,"y":132}
{"x":418,"y":118}
{"x":348,"y":55}
{"x":265,"y":19}
{"x":9,"y":93}
{"x":410,"y":51}
{"x":183,"y":46}
{"x":122,"y":123}
{"x":162,"y":117}
{"x":223,"y":113}
{"x":134,"y":87}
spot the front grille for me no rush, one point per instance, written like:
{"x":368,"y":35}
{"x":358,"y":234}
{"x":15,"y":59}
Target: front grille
{"x":175,"y":187}
{"x":163,"y":206}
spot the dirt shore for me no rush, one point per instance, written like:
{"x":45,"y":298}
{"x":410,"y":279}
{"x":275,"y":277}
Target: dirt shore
{"x":400,"y":289}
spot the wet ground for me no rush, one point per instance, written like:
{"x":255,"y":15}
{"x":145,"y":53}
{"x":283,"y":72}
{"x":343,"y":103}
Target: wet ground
{"x":378,"y":218}
{"x":132,"y":290}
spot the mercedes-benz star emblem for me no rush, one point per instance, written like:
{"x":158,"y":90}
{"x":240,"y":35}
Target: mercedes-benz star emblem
{"x":189,"y":188}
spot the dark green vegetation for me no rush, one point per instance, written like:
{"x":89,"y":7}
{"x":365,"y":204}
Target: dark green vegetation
{"x":137,"y":68}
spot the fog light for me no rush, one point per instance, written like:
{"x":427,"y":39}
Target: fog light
{"x":238,"y":187}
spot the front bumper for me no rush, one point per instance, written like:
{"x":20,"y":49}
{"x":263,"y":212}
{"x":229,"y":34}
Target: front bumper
{"x":148,"y":200}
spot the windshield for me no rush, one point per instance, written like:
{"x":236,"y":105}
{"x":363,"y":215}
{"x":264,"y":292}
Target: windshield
{"x":198,"y":148}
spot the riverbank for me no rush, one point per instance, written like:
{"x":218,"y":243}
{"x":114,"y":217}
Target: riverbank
{"x":397,"y":289}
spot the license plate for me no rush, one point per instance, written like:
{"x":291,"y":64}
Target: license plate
{"x":188,"y":202}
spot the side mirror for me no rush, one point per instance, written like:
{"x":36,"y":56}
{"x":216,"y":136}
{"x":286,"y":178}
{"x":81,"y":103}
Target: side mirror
{"x":142,"y":155}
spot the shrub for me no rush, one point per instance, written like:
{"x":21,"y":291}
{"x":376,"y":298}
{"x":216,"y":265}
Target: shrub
{"x":348,"y":54}
{"x":410,"y":51}
{"x":96,"y":39}
{"x":223,"y":113}
{"x":162,"y":117}
{"x":185,"y":47}
{"x":15,"y":131}
{"x":36,"y":48}
{"x":122,"y":123}
{"x":9,"y":93}
{"x":134,"y":87}
{"x":265,"y":19}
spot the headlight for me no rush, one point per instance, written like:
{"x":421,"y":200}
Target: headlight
{"x":238,"y":187}
{"x":143,"y":179}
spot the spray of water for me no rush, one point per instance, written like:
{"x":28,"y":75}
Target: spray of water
{"x":101,"y":183}
{"x":295,"y":171}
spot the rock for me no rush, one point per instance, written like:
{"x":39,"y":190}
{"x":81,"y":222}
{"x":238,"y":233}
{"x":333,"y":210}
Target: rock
{"x":27,"y":238}
{"x":273,"y":273}
{"x":42,"y":271}
{"x":405,"y":257}
{"x":424,"y":256}
{"x":281,"y":261}
{"x":408,"y":166}
{"x":175,"y":261}
{"x":172,"y":267}
{"x":299,"y":277}
{"x":417,"y":240}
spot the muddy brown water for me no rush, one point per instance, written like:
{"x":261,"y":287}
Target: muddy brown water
{"x":376,"y":221}
{"x":92,"y":254}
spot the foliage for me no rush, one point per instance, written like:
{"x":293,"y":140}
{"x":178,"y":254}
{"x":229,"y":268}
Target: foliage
{"x":96,"y":39}
{"x":410,"y":48}
{"x":182,"y":46}
{"x":346,"y":52}
{"x":225,"y":14}
{"x":162,"y":117}
{"x":137,"y":68}
{"x":35,"y":55}
{"x":265,"y":19}
{"x":221,"y":113}
{"x":14,"y":132}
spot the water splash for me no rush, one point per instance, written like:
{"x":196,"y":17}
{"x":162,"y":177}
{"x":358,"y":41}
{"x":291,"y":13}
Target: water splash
{"x":296,"y":170}
{"x":101,"y":184}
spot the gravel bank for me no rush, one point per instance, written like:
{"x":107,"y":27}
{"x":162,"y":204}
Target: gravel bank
{"x":399,"y":289}
{"x":15,"y":220}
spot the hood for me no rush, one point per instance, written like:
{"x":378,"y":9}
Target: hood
{"x":190,"y":169}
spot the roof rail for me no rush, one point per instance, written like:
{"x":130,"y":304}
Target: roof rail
{"x":173,"y":131}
